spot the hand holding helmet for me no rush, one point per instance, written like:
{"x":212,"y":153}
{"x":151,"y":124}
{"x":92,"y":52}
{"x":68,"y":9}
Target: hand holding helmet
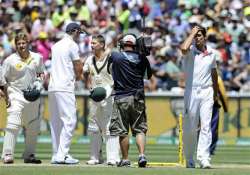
{"x":34,"y":92}
{"x":98,"y":94}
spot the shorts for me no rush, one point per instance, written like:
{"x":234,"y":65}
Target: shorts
{"x":128,"y":112}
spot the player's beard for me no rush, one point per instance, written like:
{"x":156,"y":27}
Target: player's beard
{"x":199,"y":44}
{"x":23,"y":52}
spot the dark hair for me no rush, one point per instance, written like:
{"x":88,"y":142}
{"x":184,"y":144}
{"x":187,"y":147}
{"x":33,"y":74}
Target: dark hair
{"x":100,"y":39}
{"x":202,"y":29}
{"x":21,"y":36}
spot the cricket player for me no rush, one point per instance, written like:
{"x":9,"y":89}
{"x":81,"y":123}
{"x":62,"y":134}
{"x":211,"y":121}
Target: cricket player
{"x":20,"y":71}
{"x":215,"y":117}
{"x":66,"y":67}
{"x":200,"y":94}
{"x":100,"y":112}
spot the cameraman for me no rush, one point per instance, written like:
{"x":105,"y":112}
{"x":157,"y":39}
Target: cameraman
{"x":128,"y":69}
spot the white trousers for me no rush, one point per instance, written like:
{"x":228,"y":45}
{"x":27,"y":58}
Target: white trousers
{"x":62,"y":107}
{"x":198,"y":113}
{"x":100,"y":115}
{"x":24,"y":114}
{"x":99,"y":121}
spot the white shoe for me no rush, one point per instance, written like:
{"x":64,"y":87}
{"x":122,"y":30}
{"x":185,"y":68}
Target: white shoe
{"x":67,"y":160}
{"x":112,"y":162}
{"x":93,"y":162}
{"x":53,"y":160}
{"x":70,"y":160}
{"x":205,"y":164}
{"x":8,"y":159}
{"x":190,"y":164}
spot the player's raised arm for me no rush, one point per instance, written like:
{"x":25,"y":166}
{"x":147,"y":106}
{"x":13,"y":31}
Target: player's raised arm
{"x":185,"y":46}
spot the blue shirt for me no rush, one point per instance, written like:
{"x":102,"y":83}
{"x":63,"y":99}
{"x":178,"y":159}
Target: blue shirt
{"x":128,"y":69}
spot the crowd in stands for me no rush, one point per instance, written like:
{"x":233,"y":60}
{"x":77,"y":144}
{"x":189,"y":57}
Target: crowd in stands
{"x":168,"y":22}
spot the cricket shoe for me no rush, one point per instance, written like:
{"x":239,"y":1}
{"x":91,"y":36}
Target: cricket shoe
{"x":94,"y":162}
{"x":205,"y":164}
{"x":124,"y":163}
{"x":8,"y":159}
{"x":190,"y":164}
{"x":53,"y":160}
{"x":112,"y":162}
{"x":142,"y":161}
{"x":68,"y":159}
{"x":32,"y":159}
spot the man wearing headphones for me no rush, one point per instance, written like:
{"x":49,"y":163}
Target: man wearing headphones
{"x":128,"y":69}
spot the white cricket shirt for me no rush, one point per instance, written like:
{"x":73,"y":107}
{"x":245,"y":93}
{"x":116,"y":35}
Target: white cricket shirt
{"x":197,"y":67}
{"x":20,"y":75}
{"x":62,"y":75}
{"x":99,"y":75}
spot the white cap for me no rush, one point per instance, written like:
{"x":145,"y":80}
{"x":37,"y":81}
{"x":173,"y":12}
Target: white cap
{"x":129,"y":39}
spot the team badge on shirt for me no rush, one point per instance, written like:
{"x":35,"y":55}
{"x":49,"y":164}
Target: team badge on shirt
{"x":19,"y":66}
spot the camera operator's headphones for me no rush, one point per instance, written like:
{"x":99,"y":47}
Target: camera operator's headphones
{"x":129,"y":39}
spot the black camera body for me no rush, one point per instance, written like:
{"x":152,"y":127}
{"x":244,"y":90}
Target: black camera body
{"x":142,"y":45}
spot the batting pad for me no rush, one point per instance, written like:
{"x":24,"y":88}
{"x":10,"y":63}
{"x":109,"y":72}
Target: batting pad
{"x":9,"y":141}
{"x":113,"y":148}
{"x":95,"y":146}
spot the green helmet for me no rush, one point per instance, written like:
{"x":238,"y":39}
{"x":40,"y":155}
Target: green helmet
{"x":98,"y":94}
{"x":31,"y":94}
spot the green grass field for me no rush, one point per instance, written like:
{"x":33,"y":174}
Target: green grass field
{"x":229,"y":160}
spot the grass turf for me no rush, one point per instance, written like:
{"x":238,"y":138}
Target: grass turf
{"x":228,"y":160}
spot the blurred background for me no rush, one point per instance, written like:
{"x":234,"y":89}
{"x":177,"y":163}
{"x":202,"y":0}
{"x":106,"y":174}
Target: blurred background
{"x":168,"y":22}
